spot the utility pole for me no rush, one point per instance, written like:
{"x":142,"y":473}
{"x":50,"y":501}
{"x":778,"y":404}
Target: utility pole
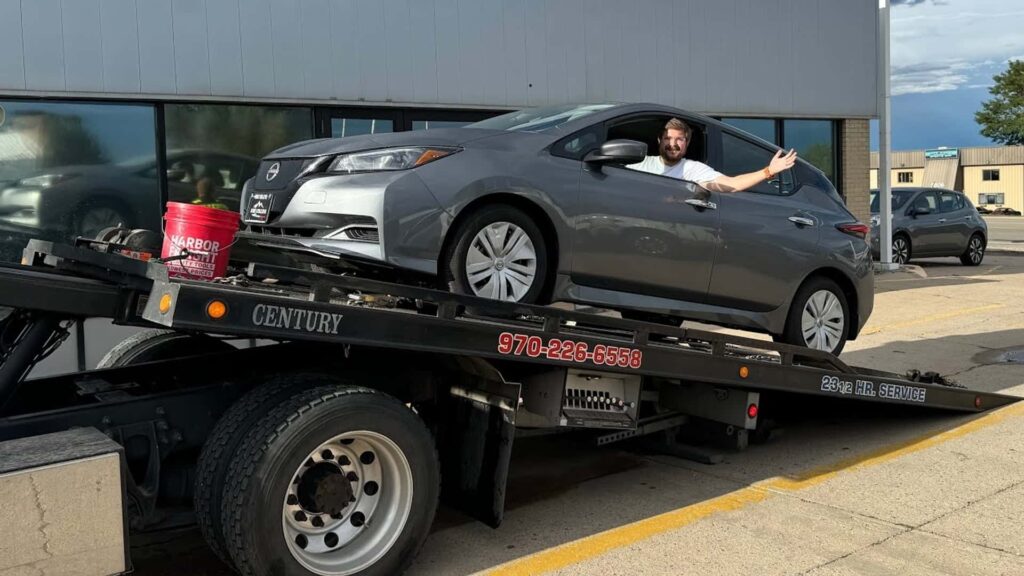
{"x":884,"y":139}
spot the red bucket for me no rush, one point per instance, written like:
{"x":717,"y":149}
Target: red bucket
{"x":206,"y":233}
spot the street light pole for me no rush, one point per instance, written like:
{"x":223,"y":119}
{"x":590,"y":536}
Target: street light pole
{"x":884,"y":139}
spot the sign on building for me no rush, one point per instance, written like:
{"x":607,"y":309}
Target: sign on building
{"x":938,"y":153}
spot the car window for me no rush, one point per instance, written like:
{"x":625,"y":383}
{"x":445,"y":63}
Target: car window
{"x":741,"y":156}
{"x":948,"y":202}
{"x":579,"y":144}
{"x":926,"y":200}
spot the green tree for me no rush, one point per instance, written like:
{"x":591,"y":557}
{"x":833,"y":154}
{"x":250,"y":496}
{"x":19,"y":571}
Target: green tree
{"x":1002,"y":117}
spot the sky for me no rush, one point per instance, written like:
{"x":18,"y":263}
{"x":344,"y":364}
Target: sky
{"x":944,"y":54}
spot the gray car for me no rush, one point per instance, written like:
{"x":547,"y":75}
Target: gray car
{"x":539,"y":206}
{"x":929,"y":222}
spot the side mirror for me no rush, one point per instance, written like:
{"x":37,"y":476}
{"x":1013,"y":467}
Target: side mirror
{"x":618,"y":152}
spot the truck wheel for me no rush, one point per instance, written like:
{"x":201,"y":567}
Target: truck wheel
{"x":338,"y":480}
{"x":227,"y":435}
{"x":155,"y":344}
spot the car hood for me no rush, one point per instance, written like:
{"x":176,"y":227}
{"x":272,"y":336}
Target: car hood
{"x":436,"y":137}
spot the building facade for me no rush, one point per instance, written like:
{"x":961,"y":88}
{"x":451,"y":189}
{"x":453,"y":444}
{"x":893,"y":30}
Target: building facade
{"x":992,"y":177}
{"x":110,"y":108}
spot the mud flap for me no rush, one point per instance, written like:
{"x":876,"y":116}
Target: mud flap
{"x":475,"y":442}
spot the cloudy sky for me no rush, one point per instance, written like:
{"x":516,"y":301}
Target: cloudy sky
{"x":944,"y":54}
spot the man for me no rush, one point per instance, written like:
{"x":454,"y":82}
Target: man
{"x":670,"y":162}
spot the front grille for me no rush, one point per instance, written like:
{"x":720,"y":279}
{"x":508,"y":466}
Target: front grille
{"x":287,"y":232}
{"x":287,"y":170}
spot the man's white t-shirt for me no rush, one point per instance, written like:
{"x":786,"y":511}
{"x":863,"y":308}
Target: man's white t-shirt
{"x":685,"y":169}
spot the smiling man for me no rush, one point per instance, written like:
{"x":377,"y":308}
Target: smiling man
{"x":671,"y":162}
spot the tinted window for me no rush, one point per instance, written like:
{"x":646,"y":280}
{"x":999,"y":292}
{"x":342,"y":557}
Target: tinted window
{"x":72,"y":169}
{"x":761,"y":127}
{"x":899,"y":198}
{"x":429,"y":124}
{"x":577,"y":145}
{"x":927,"y":201}
{"x":213,"y":149}
{"x":341,"y":127}
{"x":812,"y":140}
{"x":740,"y":156}
{"x":950,"y":202}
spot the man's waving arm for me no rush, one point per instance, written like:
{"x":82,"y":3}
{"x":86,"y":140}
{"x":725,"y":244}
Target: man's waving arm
{"x":779,"y":163}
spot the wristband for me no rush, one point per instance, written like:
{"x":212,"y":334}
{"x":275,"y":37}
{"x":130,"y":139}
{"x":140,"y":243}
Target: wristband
{"x":767,"y":173}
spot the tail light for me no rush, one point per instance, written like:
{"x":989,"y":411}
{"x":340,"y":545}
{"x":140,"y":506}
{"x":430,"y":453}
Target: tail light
{"x":858,"y":229}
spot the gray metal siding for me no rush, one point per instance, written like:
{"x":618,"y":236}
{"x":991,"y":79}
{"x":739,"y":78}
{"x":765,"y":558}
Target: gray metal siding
{"x":771,"y":57}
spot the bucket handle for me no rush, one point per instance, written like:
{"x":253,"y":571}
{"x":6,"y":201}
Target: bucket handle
{"x":185,"y":253}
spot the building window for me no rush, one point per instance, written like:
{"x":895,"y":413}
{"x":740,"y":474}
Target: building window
{"x":341,"y":127}
{"x":814,"y":141}
{"x":213,"y":149}
{"x":991,"y":198}
{"x":905,"y":177}
{"x":71,"y":169}
{"x":763,"y":128}
{"x":990,"y":175}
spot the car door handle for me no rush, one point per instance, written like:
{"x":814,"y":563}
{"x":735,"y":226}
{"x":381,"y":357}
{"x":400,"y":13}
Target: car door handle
{"x":801,"y":221}
{"x":942,"y":220}
{"x":702,"y":203}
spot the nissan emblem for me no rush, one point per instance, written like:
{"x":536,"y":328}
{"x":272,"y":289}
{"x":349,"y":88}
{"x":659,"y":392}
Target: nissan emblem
{"x":273,"y":170}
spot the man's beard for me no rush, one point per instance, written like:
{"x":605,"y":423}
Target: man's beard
{"x":672,"y":155}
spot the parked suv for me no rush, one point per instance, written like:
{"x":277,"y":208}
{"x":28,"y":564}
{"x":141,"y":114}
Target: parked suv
{"x":930,"y":222}
{"x":540,"y":206}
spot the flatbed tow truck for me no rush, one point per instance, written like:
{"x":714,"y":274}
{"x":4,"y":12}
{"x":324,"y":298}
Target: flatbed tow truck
{"x":324,"y":445}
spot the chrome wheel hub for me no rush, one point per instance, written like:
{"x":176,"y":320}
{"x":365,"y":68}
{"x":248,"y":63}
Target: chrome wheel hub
{"x":822,"y":321}
{"x":501,"y":262}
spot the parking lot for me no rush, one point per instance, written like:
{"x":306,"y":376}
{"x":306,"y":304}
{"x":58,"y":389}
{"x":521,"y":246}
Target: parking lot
{"x":844,"y":489}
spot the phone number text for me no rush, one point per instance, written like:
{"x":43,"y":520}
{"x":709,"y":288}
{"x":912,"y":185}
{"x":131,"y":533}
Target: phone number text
{"x":569,"y":350}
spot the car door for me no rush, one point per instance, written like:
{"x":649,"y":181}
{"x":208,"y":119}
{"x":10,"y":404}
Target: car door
{"x":644,"y":233}
{"x":769,"y":234}
{"x":923,"y":225}
{"x":958,"y":224}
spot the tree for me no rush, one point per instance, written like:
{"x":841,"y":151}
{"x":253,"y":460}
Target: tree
{"x":1002,"y":117}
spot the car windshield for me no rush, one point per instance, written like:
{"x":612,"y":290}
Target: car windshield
{"x":539,"y":119}
{"x":899,"y":198}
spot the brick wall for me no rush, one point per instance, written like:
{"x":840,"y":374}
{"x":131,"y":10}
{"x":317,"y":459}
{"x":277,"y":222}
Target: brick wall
{"x":856,"y":167}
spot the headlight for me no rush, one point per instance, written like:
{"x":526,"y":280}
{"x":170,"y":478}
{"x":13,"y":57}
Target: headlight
{"x":387,"y":159}
{"x":43,"y":181}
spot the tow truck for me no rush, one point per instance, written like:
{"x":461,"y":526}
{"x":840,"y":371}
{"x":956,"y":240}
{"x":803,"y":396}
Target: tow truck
{"x":324,"y":439}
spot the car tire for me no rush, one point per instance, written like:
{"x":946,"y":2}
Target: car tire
{"x":263,"y":528}
{"x":804,"y":315}
{"x":974,"y":254}
{"x":478,"y":266}
{"x":154,"y":344}
{"x":901,"y":249}
{"x":92,"y":217}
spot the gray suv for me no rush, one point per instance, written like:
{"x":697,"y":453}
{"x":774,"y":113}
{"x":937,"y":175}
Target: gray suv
{"x":930,"y":222}
{"x":540,"y":206}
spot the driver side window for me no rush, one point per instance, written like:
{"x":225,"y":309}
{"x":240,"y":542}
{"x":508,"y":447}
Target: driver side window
{"x":926,"y":201}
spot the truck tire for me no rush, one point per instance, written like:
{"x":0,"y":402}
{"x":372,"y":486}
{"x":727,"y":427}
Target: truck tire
{"x":155,"y":344}
{"x":224,"y":440}
{"x":334,"y":468}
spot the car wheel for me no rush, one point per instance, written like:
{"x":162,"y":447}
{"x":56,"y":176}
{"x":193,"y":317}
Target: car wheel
{"x":91,"y":219}
{"x":900,"y":249}
{"x":498,"y":253}
{"x":975,"y":251}
{"x":819,"y":317}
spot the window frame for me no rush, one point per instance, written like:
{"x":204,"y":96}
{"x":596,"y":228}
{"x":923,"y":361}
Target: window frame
{"x":990,"y":175}
{"x":705,"y":130}
{"x":900,"y":177}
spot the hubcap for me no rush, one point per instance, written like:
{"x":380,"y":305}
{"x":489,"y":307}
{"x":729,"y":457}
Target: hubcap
{"x":97,"y":219}
{"x":347,"y":504}
{"x":502,"y":262}
{"x":822,"y":322}
{"x":900,"y":251}
{"x":977,"y":250}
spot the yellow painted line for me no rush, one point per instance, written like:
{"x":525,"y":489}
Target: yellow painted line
{"x":932,"y":318}
{"x":592,"y":546}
